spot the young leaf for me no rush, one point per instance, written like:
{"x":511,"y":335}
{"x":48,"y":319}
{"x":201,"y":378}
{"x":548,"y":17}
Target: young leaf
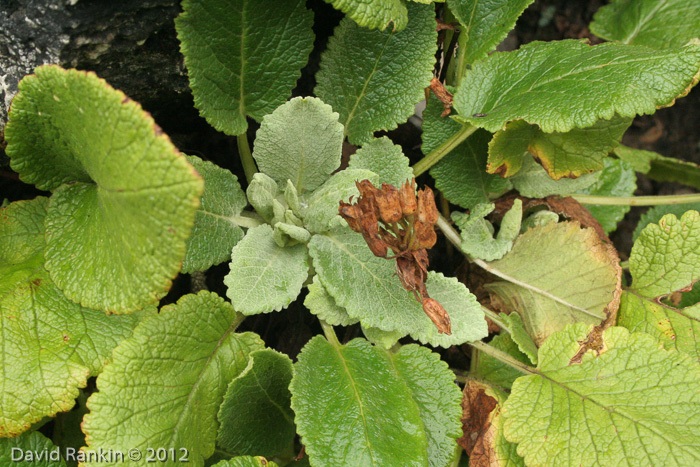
{"x":477,"y":232}
{"x":31,"y":446}
{"x":367,"y":287}
{"x":116,"y":237}
{"x":385,"y":159}
{"x":374,"y":14}
{"x":50,"y":344}
{"x":533,"y":181}
{"x":662,"y":24}
{"x":265,"y":277}
{"x":567,"y":84}
{"x":517,"y":331}
{"x":223,"y":199}
{"x":654,"y":215}
{"x":368,"y":77}
{"x":486,"y":23}
{"x":634,"y":402}
{"x":164,"y":385}
{"x":660,"y":168}
{"x":255,"y":417}
{"x":666,"y":256}
{"x":246,"y":461}
{"x":262,"y":193}
{"x":320,"y":303}
{"x":571,"y":276}
{"x":616,"y":179}
{"x":300,"y":141}
{"x":570,"y":154}
{"x":232,"y":53}
{"x":494,"y":370}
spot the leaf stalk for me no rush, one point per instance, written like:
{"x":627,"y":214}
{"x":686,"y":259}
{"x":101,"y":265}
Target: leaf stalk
{"x":247,"y":161}
{"x":636,"y":200}
{"x":441,"y":151}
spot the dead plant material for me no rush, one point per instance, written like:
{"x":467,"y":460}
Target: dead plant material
{"x":402,"y":221}
{"x":443,"y":96}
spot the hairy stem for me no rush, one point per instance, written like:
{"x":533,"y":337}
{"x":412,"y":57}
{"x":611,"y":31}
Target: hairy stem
{"x":249,"y":166}
{"x":441,"y":151}
{"x":636,"y":200}
{"x":329,"y":332}
{"x":503,"y":357}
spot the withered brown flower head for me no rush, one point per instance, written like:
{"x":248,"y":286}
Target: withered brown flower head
{"x":402,"y":221}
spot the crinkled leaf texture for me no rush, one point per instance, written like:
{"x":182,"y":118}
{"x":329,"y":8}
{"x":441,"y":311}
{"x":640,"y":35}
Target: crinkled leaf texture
{"x":32,"y":444}
{"x":300,"y":141}
{"x":571,"y":276}
{"x":233,"y":53}
{"x":634,"y":404}
{"x":359,"y":405}
{"x":215,"y":232}
{"x":385,"y":159}
{"x":486,"y":23}
{"x":666,"y":256}
{"x":165,"y":385}
{"x":367,"y":287}
{"x":265,"y":277}
{"x":654,"y":215}
{"x":50,"y":344}
{"x":567,"y":84}
{"x":116,"y":229}
{"x":320,"y":303}
{"x":477,"y":233}
{"x":662,"y":24}
{"x":255,"y":417}
{"x":374,"y":14}
{"x":368,"y":77}
{"x":246,"y":461}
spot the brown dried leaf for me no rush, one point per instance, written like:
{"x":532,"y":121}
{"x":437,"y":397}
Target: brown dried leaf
{"x":476,"y":415}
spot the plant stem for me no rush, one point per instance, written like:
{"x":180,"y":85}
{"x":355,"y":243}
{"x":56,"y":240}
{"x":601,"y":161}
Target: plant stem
{"x":636,"y":200}
{"x":441,"y":151}
{"x":460,"y":64}
{"x":450,"y":233}
{"x":504,"y":357}
{"x":329,"y":332}
{"x":249,"y":166}
{"x":495,"y":317}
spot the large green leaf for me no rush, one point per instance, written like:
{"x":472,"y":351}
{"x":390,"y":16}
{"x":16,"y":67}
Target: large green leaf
{"x":50,"y":344}
{"x":233,"y":53}
{"x":385,"y":159}
{"x":367,"y":76}
{"x":255,"y":417}
{"x":566,"y":273}
{"x":30,"y":450}
{"x":320,"y":303}
{"x":367,"y":287}
{"x":654,"y":215}
{"x":661,"y":24}
{"x":666,"y":256}
{"x":357,"y":404}
{"x":215,"y":231}
{"x":633,"y":404}
{"x":533,"y":181}
{"x":486,"y":23}
{"x":374,"y":14}
{"x":660,"y":168}
{"x":570,"y":154}
{"x":300,"y":141}
{"x":265,"y":277}
{"x":116,"y":236}
{"x":164,"y":385}
{"x":566,"y":84}
{"x":246,"y":461}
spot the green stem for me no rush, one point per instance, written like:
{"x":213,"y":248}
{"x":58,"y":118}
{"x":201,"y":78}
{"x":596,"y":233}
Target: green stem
{"x":461,"y":62}
{"x":636,"y":200}
{"x":249,"y":166}
{"x":625,"y":264}
{"x":441,"y":151}
{"x":496,"y":318}
{"x":504,"y":357}
{"x":329,"y":332}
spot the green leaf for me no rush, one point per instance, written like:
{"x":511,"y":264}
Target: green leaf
{"x":674,"y":328}
{"x":31,"y":446}
{"x":436,"y":128}
{"x":486,"y":23}
{"x":477,"y":233}
{"x":570,"y":154}
{"x":300,"y":141}
{"x":383,"y":339}
{"x":519,"y":335}
{"x":223,"y":199}
{"x":320,"y":210}
{"x":255,"y":417}
{"x":320,"y":303}
{"x":374,"y":14}
{"x":166,"y":383}
{"x":265,"y":277}
{"x":567,"y":84}
{"x":367,"y":287}
{"x":654,"y":215}
{"x":666,"y":256}
{"x":634,"y":404}
{"x":232,"y":53}
{"x":385,"y":159}
{"x":567,"y":275}
{"x":368,"y":77}
{"x":116,"y":236}
{"x":662,"y":24}
{"x":50,"y":344}
{"x":533,"y":181}
{"x":494,"y":370}
{"x":660,"y":168}
{"x":246,"y":461}
{"x":616,"y":179}
{"x":262,"y":192}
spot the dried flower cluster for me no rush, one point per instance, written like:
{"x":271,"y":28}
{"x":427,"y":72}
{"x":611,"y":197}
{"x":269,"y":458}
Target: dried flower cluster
{"x":403,"y":221}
